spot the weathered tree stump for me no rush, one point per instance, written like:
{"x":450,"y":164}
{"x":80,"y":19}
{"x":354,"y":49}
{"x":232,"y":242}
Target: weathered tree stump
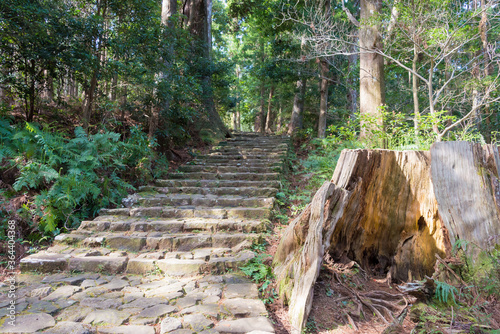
{"x":392,"y":212}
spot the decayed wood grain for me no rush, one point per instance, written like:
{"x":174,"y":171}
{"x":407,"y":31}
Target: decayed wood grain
{"x":384,"y":210}
{"x":465,"y":178}
{"x":302,"y":248}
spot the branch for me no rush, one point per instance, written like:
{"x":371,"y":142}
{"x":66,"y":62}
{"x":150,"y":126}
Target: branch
{"x":394,"y":17}
{"x":349,"y":15}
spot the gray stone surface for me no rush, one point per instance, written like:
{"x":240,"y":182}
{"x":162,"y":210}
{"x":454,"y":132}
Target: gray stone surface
{"x":156,"y":311}
{"x":42,"y":292}
{"x":240,"y":307}
{"x":211,"y":310}
{"x":43,"y":306}
{"x":101,"y":303}
{"x":186,"y":302}
{"x":129,"y":329}
{"x":106,"y":317}
{"x":241,"y":290}
{"x":28,"y":323}
{"x":69,"y":327}
{"x":170,"y":324}
{"x":143,"y":303}
{"x":63,"y":292}
{"x":197,"y":322}
{"x":116,"y":284}
{"x":75,"y":313}
{"x":245,"y":325}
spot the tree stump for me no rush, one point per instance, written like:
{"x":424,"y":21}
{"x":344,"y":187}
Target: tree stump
{"x":392,"y":212}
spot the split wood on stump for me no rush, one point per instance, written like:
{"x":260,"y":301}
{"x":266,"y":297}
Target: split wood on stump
{"x":392,"y":212}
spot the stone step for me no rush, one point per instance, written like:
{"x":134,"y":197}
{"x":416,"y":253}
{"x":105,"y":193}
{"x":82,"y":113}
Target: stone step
{"x":249,"y":149}
{"x":251,"y":155}
{"x":237,"y":163}
{"x":149,"y":241}
{"x":254,"y":143}
{"x":126,"y":224}
{"x":228,"y":169}
{"x":224,"y":176}
{"x":190,"y":212}
{"x":239,"y":159}
{"x":173,"y":264}
{"x":217,"y":183}
{"x":241,"y":191}
{"x":203,"y":201}
{"x":270,"y":147}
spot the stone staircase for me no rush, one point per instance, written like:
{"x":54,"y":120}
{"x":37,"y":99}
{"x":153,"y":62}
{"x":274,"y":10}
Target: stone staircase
{"x":189,"y":232}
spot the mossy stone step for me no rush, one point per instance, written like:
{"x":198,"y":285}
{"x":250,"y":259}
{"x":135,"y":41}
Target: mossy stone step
{"x":225,"y":176}
{"x":217,"y":183}
{"x":191,"y":212}
{"x":236,"y":163}
{"x":204,"y":201}
{"x":229,"y":169}
{"x":129,"y":224}
{"x":170,"y":242}
{"x":241,"y":191}
{"x":185,"y":264}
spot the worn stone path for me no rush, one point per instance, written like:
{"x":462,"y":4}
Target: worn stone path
{"x":167,"y":262}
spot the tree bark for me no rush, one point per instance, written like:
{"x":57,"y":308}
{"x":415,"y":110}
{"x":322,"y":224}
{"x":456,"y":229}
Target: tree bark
{"x":259,"y":125}
{"x":323,"y":105}
{"x":483,"y":29}
{"x":270,"y":115}
{"x":298,"y":107}
{"x":416,"y":108}
{"x":392,"y":212}
{"x":372,"y":81}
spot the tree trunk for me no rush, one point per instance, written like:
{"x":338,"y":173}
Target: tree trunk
{"x":298,"y":107}
{"x":416,"y":108}
{"x":259,"y":123}
{"x":372,"y":81}
{"x":89,"y":100}
{"x":392,"y":212}
{"x":200,"y":26}
{"x":270,"y":115}
{"x":279,"y":126}
{"x":483,"y":29}
{"x":323,"y":105}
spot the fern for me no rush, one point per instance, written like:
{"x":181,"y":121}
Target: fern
{"x":75,"y":177}
{"x":444,"y":292}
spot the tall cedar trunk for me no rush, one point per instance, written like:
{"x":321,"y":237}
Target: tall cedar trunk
{"x":430,"y":95}
{"x":483,"y":29}
{"x":323,"y":105}
{"x":392,"y":212}
{"x":90,"y":91}
{"x":279,"y":126}
{"x":168,"y":8}
{"x":259,"y":124}
{"x":298,"y":107}
{"x":30,"y":108}
{"x":416,"y":108}
{"x":87,"y":111}
{"x":270,"y":115}
{"x":114,"y":87}
{"x":323,"y":85}
{"x":371,"y":77}
{"x":352,"y":94}
{"x":200,"y":26}
{"x":124,"y":103}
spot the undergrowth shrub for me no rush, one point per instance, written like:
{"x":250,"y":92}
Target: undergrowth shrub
{"x":71,"y":179}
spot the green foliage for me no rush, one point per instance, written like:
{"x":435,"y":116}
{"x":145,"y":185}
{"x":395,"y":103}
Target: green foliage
{"x":445,"y":293}
{"x":76,"y":177}
{"x":257,"y":270}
